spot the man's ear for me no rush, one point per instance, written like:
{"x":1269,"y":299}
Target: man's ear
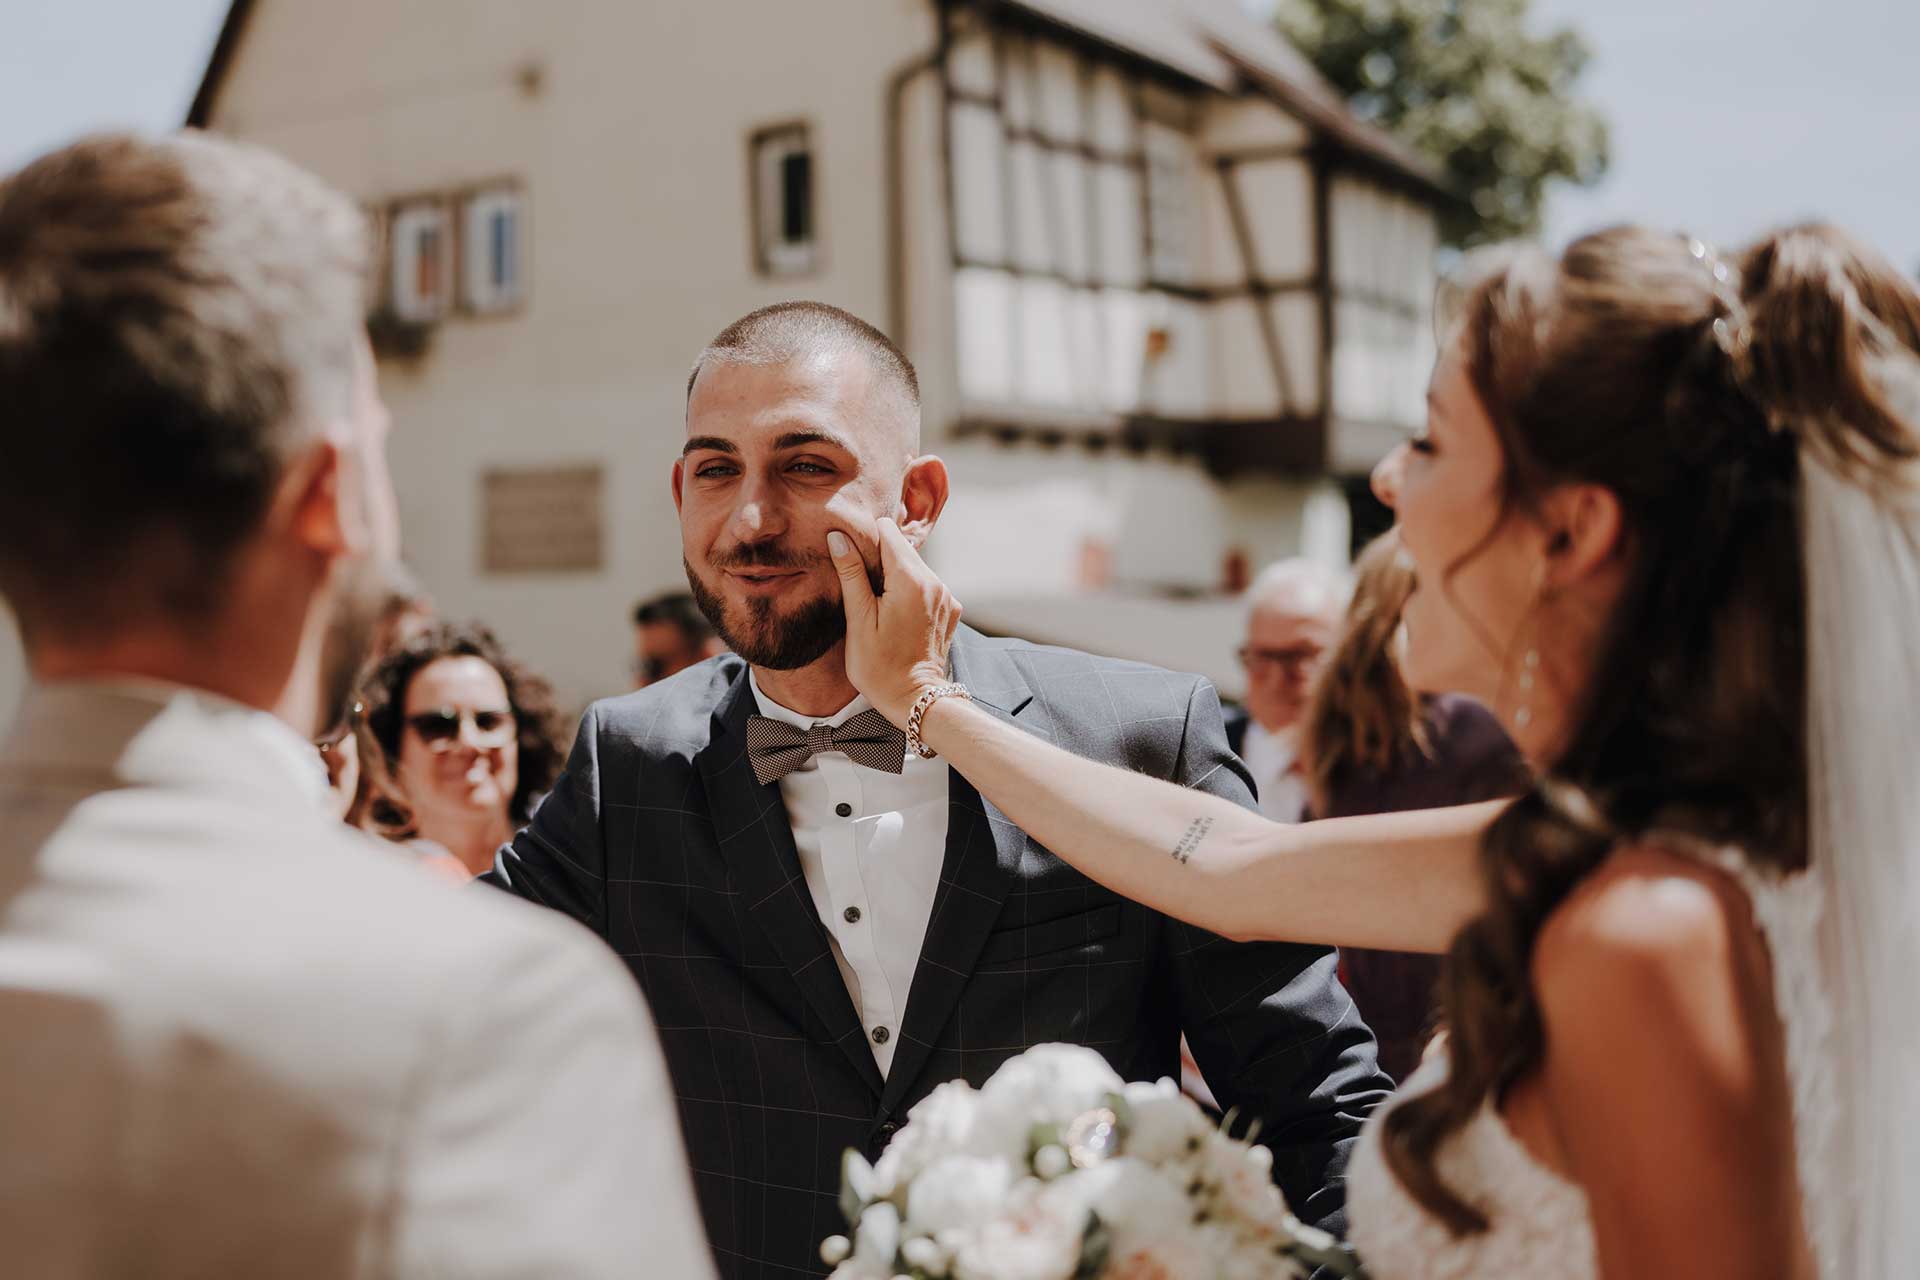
{"x":311,"y":504}
{"x":679,"y":470}
{"x":923,"y":496}
{"x":1584,"y":529}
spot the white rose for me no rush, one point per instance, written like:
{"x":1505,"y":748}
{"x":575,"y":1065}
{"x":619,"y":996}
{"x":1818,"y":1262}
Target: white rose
{"x":1050,"y":1083}
{"x":1038,"y":1240}
{"x":1138,"y":1202}
{"x":1167,"y":1126}
{"x":957,"y":1192}
{"x":940,"y":1124}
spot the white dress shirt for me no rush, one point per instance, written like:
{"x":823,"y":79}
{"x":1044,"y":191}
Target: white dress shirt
{"x":871,"y":845}
{"x":1272,"y":759}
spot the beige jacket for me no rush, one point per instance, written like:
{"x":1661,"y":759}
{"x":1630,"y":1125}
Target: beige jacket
{"x":238,"y":1040}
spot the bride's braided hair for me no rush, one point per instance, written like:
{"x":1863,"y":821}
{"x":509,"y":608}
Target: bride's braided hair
{"x":1687,"y":391}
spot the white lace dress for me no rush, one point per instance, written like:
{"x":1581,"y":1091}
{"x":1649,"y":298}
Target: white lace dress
{"x":1540,"y":1227}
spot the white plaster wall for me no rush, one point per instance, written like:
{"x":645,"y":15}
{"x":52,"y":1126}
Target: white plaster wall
{"x":633,"y":150}
{"x":1020,"y":514}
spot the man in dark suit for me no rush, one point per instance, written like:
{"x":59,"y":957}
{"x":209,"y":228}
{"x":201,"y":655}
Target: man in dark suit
{"x":828,"y":927}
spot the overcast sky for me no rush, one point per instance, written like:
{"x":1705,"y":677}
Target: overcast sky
{"x":1728,"y":115}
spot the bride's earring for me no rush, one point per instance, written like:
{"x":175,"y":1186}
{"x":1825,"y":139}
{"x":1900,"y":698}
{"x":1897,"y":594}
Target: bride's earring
{"x":1523,"y":714}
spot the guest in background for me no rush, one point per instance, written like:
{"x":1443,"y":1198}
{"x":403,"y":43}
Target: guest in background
{"x":670,"y":634}
{"x":462,"y":742}
{"x":1368,"y":744}
{"x":1293,"y":615}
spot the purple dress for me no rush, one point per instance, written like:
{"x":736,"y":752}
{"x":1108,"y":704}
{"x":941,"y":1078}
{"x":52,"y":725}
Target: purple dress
{"x":1471,"y":759}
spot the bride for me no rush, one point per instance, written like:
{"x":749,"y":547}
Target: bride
{"x":1663,"y":520}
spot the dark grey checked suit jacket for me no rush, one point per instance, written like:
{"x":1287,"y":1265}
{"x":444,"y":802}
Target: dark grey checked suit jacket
{"x":658,"y":838}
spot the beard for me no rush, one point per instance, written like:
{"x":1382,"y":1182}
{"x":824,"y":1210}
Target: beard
{"x":759,"y":634}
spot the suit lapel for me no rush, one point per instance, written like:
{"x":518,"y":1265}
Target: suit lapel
{"x":981,"y":865}
{"x":756,"y":839}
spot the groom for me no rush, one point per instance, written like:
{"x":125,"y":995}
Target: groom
{"x":827,"y":930}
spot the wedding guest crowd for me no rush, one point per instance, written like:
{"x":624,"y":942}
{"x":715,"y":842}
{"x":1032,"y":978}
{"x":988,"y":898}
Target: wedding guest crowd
{"x":462,"y":742}
{"x":1369,"y":744}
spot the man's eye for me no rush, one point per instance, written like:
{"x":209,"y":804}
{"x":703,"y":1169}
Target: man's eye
{"x":810,"y":468}
{"x":713,"y":470}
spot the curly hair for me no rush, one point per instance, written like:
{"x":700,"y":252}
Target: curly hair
{"x":382,"y":718}
{"x":1690,"y":394}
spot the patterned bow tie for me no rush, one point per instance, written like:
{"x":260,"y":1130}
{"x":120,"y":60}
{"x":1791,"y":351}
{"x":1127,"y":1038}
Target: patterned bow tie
{"x":776,"y":748}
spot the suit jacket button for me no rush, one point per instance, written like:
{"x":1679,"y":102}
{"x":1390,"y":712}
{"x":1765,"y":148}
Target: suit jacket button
{"x":881,"y":1035}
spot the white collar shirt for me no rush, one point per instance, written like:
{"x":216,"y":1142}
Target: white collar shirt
{"x":871,"y":846}
{"x":1272,"y":759}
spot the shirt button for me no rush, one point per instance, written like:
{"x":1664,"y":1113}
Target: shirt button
{"x":844,"y":810}
{"x":851,"y":915}
{"x":881,"y":1035}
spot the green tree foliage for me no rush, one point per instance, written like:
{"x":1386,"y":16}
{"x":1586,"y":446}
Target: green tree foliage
{"x":1468,"y":85}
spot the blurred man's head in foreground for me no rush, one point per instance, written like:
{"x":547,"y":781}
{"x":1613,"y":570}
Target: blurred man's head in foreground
{"x":193,"y":437}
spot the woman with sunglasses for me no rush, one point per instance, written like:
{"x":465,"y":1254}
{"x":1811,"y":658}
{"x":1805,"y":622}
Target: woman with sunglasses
{"x":461,"y":741}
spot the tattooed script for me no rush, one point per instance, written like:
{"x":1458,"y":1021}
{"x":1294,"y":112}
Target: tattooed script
{"x":1191,"y":840}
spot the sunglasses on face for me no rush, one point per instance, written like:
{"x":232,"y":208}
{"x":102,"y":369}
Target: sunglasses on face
{"x":440,"y":728}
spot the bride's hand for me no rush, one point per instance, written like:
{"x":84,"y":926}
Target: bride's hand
{"x":896,"y":642}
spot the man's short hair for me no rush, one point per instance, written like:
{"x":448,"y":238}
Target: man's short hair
{"x":789,"y":331}
{"x":678,"y":608}
{"x":177,"y":317}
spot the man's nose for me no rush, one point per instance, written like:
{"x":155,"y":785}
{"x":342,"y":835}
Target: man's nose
{"x":1386,"y":476}
{"x":759,"y":513}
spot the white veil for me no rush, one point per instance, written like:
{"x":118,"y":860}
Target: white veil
{"x":1862,"y":547}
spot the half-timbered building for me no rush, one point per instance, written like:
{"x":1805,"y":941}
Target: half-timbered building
{"x":1168,"y":297}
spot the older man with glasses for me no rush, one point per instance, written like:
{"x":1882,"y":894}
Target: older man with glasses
{"x":1293,"y":617}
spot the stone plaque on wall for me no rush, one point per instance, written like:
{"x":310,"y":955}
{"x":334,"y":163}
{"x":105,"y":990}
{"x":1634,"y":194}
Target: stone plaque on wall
{"x":542,"y":519}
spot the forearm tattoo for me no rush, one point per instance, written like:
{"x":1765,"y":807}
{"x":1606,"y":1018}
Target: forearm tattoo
{"x":1190,"y":842}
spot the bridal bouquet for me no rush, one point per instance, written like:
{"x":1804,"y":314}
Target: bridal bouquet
{"x":1057,"y":1170}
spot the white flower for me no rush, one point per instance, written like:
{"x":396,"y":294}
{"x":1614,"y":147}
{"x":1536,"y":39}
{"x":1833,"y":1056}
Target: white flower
{"x":1171,"y":1258}
{"x":1137,"y":1202}
{"x":957,"y":1192}
{"x":1244,"y":1177}
{"x":1050,"y":1084}
{"x":940,"y":1124}
{"x":877,"y":1239}
{"x":923,"y":1253}
{"x":1166,"y":1125}
{"x":1051,"y":1161}
{"x":1037,"y":1240}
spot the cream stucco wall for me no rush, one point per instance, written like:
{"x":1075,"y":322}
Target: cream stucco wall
{"x":633,"y":149}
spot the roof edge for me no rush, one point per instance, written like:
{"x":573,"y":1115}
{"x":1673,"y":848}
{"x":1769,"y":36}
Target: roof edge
{"x":219,"y":63}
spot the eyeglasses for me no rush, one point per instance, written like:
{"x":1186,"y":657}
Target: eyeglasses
{"x":1296,"y":661}
{"x":440,"y":728}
